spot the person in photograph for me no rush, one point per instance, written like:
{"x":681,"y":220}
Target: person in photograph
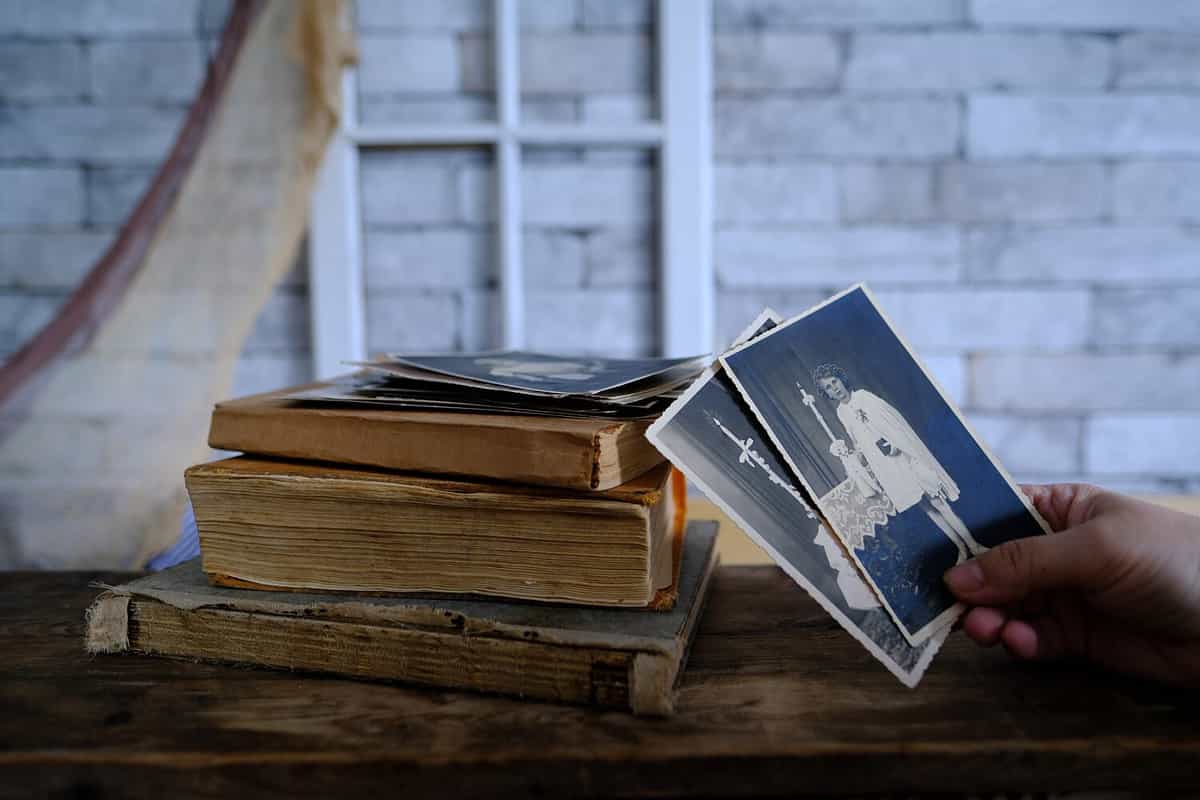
{"x":901,"y":465}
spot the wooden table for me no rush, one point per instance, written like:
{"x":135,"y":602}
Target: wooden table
{"x":776,"y":700}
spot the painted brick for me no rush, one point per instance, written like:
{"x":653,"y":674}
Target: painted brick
{"x":751,"y":194}
{"x":611,"y":322}
{"x":421,"y":15}
{"x":737,"y":308}
{"x":1154,"y":318}
{"x":383,"y":109}
{"x":113,"y":192}
{"x":887,"y":193}
{"x":1091,"y":254}
{"x":950,"y":372}
{"x":481,"y":318}
{"x":407,"y":64}
{"x":617,"y":14}
{"x":567,"y":63}
{"x":835,"y":13}
{"x":213,"y":16}
{"x":1159,"y":190}
{"x":399,"y":191}
{"x":558,"y":192}
{"x":265,"y":372}
{"x":138,"y":17}
{"x":412,"y":321}
{"x":587,"y":195}
{"x":281,"y":324}
{"x":437,"y":258}
{"x":1079,"y":126}
{"x":1143,"y":443}
{"x":1159,"y":61}
{"x":41,"y":71}
{"x":98,"y":17}
{"x":775,"y":61}
{"x":1042,"y":444}
{"x":139,"y":70}
{"x":535,"y":108}
{"x":1002,"y":320}
{"x":836,"y":257}
{"x":543,"y":15}
{"x":39,"y":18}
{"x":116,"y":133}
{"x":841,"y":126}
{"x":1085,"y":382}
{"x":964,"y":61}
{"x":43,"y":260}
{"x":1023,"y":192}
{"x":40,"y":196}
{"x":553,"y":258}
{"x":1088,"y":14}
{"x":622,"y":257}
{"x":619,"y":108}
{"x":22,"y":315}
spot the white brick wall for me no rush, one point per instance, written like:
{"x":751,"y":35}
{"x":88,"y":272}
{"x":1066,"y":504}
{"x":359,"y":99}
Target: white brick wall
{"x":1016,"y":177}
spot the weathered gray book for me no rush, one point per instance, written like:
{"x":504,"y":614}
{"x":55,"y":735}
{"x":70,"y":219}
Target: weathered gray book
{"x":612,"y":657}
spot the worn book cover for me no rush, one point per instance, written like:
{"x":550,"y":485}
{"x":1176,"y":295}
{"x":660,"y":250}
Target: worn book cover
{"x":587,"y":454}
{"x":622,"y":658}
{"x":284,"y":525}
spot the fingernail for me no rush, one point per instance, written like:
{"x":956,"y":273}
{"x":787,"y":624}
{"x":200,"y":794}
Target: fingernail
{"x":965,"y":578}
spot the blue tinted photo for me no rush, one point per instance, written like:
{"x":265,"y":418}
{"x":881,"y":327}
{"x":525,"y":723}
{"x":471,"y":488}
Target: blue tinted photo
{"x":889,"y":463}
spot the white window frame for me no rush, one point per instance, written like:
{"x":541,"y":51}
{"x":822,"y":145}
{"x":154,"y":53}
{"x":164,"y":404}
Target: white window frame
{"x":683,"y":139}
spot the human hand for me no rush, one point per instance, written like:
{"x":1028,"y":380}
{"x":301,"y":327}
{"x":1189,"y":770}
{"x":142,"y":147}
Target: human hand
{"x":1118,"y":584}
{"x":838,"y":448}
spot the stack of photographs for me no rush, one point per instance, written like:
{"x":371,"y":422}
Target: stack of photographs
{"x":826,"y":440}
{"x":514,"y":382}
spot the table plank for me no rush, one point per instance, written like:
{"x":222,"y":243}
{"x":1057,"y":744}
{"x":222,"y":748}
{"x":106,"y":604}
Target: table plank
{"x":776,"y":700}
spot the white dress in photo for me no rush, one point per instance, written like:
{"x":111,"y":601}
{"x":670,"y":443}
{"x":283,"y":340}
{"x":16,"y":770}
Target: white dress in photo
{"x":901,"y":463}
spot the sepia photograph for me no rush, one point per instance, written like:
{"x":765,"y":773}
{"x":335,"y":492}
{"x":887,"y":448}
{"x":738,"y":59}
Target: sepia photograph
{"x":890,"y":463}
{"x":712,"y":437}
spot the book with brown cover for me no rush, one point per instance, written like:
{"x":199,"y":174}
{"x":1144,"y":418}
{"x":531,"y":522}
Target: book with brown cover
{"x":284,"y":525}
{"x":622,"y":658}
{"x":588,"y":454}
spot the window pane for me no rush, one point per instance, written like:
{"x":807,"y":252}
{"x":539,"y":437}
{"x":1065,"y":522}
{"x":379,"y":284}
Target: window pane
{"x":423,"y":61}
{"x":429,"y":265}
{"x":590,"y":250}
{"x":592,"y":61}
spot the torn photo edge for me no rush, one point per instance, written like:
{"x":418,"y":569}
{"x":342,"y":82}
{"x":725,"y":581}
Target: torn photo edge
{"x":909,"y":677}
{"x":946,"y":619}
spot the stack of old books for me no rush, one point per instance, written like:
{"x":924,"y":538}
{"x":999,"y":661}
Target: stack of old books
{"x":495,"y":522}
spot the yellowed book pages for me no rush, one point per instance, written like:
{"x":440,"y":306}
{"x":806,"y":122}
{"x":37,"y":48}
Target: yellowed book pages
{"x":300,"y":526}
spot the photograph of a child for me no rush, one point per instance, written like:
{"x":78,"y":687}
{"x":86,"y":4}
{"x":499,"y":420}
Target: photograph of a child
{"x":887,"y":459}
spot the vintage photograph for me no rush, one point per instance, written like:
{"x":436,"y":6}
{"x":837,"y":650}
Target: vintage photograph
{"x":549,"y":374}
{"x":890,"y":463}
{"x":712,"y":437}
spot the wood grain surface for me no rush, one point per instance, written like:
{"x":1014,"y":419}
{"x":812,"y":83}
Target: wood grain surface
{"x":776,"y":701}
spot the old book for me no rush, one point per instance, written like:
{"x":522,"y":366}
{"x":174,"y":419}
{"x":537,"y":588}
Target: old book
{"x":590,"y":454}
{"x":623,"y":658}
{"x":301,"y":526}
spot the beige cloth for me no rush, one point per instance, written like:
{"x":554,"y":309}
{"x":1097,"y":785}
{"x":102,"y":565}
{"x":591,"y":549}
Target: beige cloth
{"x":93,"y":477}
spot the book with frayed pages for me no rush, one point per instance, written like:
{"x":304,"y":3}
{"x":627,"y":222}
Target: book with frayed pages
{"x":611,"y":657}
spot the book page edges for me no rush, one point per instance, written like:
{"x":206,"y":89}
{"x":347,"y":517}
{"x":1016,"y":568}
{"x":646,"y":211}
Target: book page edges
{"x":107,"y":624}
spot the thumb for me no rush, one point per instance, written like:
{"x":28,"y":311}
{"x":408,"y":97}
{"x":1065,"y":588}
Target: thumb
{"x":1015,"y":570}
